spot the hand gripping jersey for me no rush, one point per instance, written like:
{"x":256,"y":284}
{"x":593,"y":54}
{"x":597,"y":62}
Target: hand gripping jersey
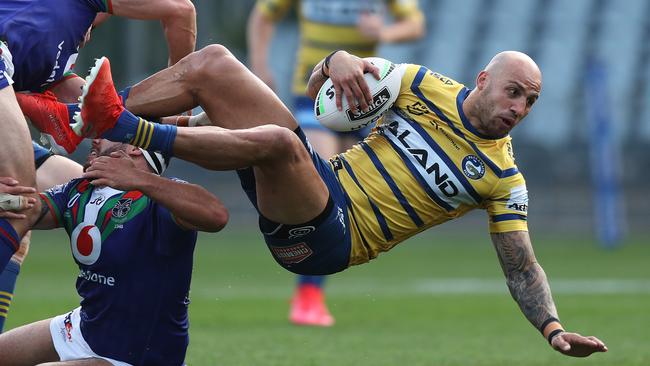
{"x":44,"y":37}
{"x":329,"y":25}
{"x":135,"y":266}
{"x":425,"y":164}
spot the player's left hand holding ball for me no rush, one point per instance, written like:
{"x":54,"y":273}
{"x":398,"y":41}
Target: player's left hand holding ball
{"x":573,"y":344}
{"x":346,"y":72}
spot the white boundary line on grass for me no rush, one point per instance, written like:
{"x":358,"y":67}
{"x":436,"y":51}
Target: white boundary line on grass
{"x":428,"y":286}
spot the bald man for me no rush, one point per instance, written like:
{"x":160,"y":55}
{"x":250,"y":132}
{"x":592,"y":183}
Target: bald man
{"x":440,"y":152}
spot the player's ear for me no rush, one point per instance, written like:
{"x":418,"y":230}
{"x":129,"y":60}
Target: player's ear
{"x":481,"y":80}
{"x":133,"y":151}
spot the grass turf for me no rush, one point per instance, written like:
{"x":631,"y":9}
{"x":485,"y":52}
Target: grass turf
{"x":435,"y":300}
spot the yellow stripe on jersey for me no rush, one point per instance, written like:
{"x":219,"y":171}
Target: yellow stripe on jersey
{"x":6,"y":294}
{"x":329,"y":25}
{"x":425,"y":164}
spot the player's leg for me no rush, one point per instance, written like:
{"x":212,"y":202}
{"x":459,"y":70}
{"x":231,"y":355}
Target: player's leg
{"x":16,"y":161}
{"x":290,"y":189}
{"x":30,"y":344}
{"x":51,"y":170}
{"x":308,"y":305}
{"x":213,"y":78}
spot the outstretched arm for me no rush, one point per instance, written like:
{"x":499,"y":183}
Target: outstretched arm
{"x":178,"y":18}
{"x":193,"y":206}
{"x":529,"y":287}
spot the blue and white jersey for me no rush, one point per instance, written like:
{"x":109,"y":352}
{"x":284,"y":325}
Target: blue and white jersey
{"x":135,"y":267}
{"x":43,"y":37}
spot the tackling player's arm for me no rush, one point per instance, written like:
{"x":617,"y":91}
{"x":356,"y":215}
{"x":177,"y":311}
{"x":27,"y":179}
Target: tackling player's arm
{"x":178,"y":18}
{"x":529,"y":287}
{"x":193,"y":207}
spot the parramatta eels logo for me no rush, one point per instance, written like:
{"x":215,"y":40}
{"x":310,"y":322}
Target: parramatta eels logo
{"x":473,"y":167}
{"x":121,"y":208}
{"x":86,"y":243}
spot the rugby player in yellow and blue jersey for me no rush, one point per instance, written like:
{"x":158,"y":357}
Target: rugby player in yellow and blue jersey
{"x":325,"y":26}
{"x":440,"y":152}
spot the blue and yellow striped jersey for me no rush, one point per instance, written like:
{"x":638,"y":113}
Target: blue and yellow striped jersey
{"x":329,"y":25}
{"x":425,"y":164}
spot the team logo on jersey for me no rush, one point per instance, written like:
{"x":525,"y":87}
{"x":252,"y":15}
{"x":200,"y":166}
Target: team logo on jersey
{"x":292,"y":254}
{"x":121,"y":208}
{"x":300,"y":231}
{"x":473,"y":167}
{"x":86,"y":243}
{"x":417,"y":109}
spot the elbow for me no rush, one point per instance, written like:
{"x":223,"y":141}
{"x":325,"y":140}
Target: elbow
{"x":219,"y":218}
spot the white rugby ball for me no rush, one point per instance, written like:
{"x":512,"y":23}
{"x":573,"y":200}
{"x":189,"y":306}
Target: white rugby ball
{"x":384,"y":93}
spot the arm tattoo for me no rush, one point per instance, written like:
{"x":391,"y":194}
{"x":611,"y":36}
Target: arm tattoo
{"x":525,"y":277}
{"x":45,"y":209}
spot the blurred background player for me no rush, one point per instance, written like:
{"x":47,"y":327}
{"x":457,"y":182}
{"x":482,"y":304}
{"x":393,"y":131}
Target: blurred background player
{"x":129,"y":314}
{"x":42,"y":45}
{"x":326,"y":26}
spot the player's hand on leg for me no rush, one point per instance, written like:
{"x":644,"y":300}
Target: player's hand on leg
{"x":12,"y":199}
{"x":576,"y":345}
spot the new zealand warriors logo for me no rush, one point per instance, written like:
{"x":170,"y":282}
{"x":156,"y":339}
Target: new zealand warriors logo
{"x":473,"y":167}
{"x":86,"y":243}
{"x":121,"y":208}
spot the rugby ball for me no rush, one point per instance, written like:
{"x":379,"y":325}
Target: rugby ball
{"x":384,"y":93}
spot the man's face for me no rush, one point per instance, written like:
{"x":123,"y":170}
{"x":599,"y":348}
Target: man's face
{"x":505,"y":99}
{"x":101,"y":147}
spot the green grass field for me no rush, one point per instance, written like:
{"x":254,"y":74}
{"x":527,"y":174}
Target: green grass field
{"x":435,"y":300}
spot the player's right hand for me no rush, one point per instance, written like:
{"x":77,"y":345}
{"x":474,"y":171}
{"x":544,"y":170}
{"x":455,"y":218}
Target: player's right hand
{"x":12,"y":199}
{"x":346,"y":72}
{"x":573,"y":344}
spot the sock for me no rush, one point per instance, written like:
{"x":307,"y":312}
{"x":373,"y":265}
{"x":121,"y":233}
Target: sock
{"x":311,"y":280}
{"x":9,"y":242}
{"x":142,"y":133}
{"x":7,"y":285}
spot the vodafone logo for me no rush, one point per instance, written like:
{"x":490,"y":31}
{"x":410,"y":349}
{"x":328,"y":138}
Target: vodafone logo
{"x":86,"y":243}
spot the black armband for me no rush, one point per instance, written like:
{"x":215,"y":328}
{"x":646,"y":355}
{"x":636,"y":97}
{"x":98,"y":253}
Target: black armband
{"x":553,"y":334}
{"x":326,"y":63}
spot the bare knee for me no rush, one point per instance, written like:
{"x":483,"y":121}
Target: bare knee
{"x":210,"y":64}
{"x":278,"y":144}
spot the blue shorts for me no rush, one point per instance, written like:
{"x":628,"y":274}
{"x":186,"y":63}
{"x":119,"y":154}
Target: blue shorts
{"x":303,"y":110}
{"x":319,"y":247}
{"x":6,"y":66}
{"x":40,"y":154}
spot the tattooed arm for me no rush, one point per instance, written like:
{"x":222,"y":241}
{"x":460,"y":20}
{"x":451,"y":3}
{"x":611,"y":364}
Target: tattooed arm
{"x":46,"y":219}
{"x":528,"y":286}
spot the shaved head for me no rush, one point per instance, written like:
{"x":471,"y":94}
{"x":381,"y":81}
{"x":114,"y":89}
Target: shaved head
{"x":511,"y":61}
{"x":505,"y":92}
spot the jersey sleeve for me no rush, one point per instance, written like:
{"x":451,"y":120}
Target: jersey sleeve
{"x":56,"y":199}
{"x":405,"y":9}
{"x":273,"y":9}
{"x":508,"y":206}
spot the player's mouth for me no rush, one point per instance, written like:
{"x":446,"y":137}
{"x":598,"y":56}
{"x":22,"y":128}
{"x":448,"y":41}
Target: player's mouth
{"x":508,"y":121}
